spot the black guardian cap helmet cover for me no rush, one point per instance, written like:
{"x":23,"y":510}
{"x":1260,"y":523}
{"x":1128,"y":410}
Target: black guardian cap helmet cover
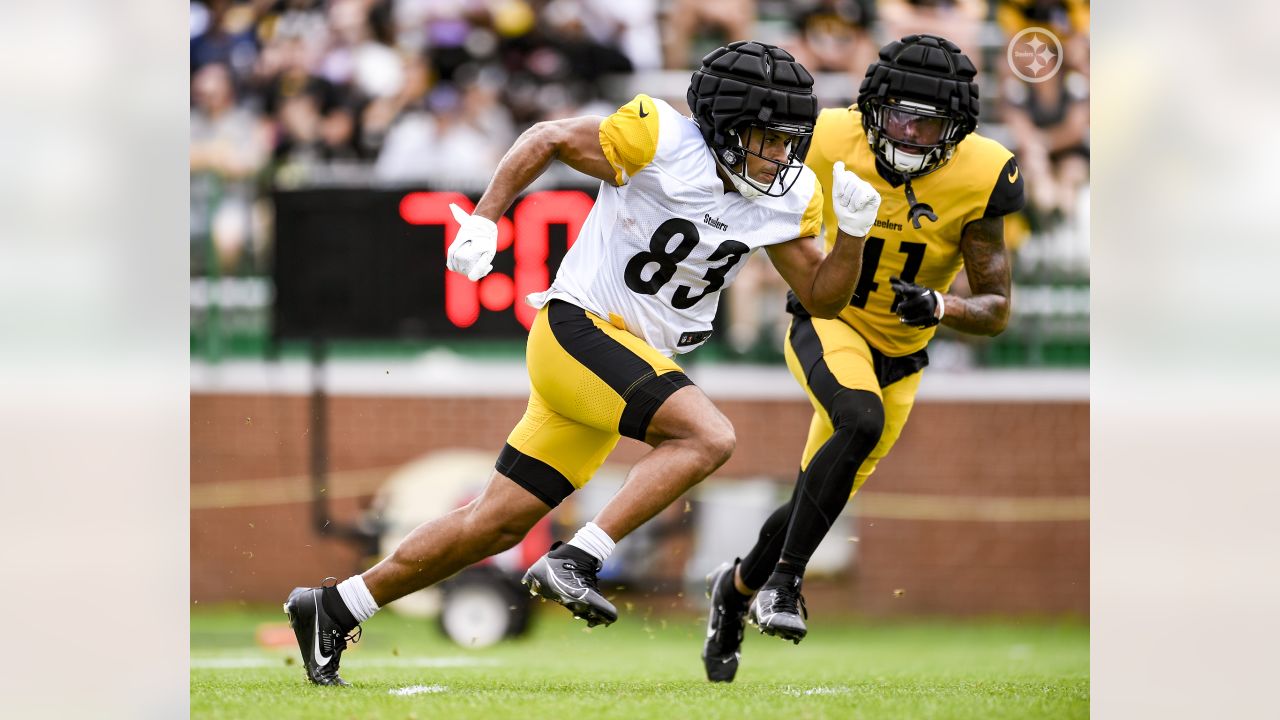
{"x":918,"y":101}
{"x":750,"y":84}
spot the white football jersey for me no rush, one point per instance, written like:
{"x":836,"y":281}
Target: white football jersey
{"x":658,"y":247}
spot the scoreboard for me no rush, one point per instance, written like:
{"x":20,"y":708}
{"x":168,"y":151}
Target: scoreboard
{"x":370,"y":264}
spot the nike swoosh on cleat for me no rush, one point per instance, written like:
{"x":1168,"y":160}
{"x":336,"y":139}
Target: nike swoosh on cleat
{"x":1013,"y":176}
{"x":562,"y":587}
{"x":642,"y":112}
{"x":319,"y":657}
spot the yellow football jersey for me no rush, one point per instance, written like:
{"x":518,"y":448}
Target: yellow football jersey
{"x":982,"y":179}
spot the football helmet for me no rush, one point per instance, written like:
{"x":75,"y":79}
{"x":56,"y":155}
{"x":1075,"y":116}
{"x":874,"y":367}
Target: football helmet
{"x":753,"y":85}
{"x":918,"y":101}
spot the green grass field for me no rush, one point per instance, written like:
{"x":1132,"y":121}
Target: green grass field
{"x":639,"y":669}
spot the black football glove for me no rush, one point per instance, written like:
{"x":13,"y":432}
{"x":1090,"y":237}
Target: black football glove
{"x":916,"y":305}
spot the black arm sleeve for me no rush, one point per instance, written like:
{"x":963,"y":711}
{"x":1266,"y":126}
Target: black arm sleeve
{"x":1007,"y":196}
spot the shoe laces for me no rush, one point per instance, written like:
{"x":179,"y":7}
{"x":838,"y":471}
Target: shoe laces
{"x":585,"y":575}
{"x":351,"y":636}
{"x":787,"y":599}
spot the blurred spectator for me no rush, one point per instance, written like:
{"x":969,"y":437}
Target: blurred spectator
{"x":1068,"y":19}
{"x":729,"y":20}
{"x":834,"y":36}
{"x":361,"y":54}
{"x":228,"y":149}
{"x":302,"y":19}
{"x":222,"y":32}
{"x":1050,"y":126}
{"x":454,"y":139}
{"x":631,"y":27}
{"x":1050,"y":120}
{"x":557,"y":68}
{"x":314,"y":119}
{"x":459,"y":33}
{"x":959,"y":21}
{"x":381,"y":113}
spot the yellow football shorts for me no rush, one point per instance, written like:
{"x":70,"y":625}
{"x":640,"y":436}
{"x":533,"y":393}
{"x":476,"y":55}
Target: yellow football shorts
{"x":827,"y":355}
{"x":590,"y":384}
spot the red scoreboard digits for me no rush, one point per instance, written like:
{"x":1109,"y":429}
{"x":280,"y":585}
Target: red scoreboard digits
{"x":534,"y":215}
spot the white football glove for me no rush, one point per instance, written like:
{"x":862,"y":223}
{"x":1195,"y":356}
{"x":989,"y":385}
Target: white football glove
{"x":473,"y":248}
{"x":856,"y":202}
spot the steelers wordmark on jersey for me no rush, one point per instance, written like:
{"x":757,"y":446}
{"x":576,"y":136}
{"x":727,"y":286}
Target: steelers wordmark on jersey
{"x":665,"y":239}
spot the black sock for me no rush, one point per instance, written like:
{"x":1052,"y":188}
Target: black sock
{"x":757,"y":564}
{"x":565,"y":551}
{"x":332,"y":602}
{"x":729,"y":591}
{"x":786,"y":574}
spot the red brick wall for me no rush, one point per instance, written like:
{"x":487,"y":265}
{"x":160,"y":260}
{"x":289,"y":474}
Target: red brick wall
{"x":254,"y":552}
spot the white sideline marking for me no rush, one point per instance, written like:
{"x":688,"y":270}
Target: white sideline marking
{"x":797,"y":692}
{"x":437,"y":373}
{"x":418,"y":690}
{"x":429,"y":662}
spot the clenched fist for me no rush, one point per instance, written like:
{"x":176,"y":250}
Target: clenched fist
{"x":856,"y":202}
{"x":473,"y":248}
{"x":916,"y":305}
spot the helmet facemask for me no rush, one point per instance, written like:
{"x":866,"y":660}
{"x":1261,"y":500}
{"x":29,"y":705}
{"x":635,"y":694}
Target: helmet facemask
{"x":911,"y":138}
{"x":761,"y":142}
{"x":918,"y":101}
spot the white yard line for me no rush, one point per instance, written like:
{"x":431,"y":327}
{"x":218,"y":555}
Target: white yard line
{"x":258,"y":661}
{"x":797,"y":692}
{"x":418,"y":690}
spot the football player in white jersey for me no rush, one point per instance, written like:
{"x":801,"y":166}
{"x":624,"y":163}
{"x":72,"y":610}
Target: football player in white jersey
{"x":682,"y":201}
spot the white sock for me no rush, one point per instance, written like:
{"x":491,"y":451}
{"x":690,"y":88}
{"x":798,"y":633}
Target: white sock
{"x":593,"y":540}
{"x":357,"y":598}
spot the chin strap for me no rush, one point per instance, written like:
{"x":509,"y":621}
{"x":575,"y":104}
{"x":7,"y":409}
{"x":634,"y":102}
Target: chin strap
{"x":745,"y":188}
{"x":917,"y":208}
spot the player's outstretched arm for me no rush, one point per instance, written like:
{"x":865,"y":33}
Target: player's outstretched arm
{"x":986,"y":263}
{"x":824,"y":285}
{"x":573,"y":141}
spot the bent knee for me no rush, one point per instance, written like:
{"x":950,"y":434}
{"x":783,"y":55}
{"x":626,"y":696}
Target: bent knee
{"x":718,"y":441}
{"x":859,"y":412}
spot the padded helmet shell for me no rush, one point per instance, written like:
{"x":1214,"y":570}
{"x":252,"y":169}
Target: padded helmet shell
{"x":926,"y":70}
{"x":746,"y":84}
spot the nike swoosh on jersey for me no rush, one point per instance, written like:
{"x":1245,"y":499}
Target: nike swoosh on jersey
{"x":318,"y":656}
{"x":1013,"y":176}
{"x":642,"y":112}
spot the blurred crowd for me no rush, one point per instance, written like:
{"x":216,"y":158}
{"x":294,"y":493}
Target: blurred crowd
{"x":295,"y":93}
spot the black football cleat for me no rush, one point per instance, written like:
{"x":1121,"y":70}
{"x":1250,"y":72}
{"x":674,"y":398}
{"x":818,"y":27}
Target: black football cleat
{"x":722,"y":649}
{"x":320,"y":638}
{"x":567,"y":575}
{"x":779,"y":610}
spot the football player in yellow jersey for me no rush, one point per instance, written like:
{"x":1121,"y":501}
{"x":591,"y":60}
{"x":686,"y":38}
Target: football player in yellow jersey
{"x":628,"y":297}
{"x":945,"y":191}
